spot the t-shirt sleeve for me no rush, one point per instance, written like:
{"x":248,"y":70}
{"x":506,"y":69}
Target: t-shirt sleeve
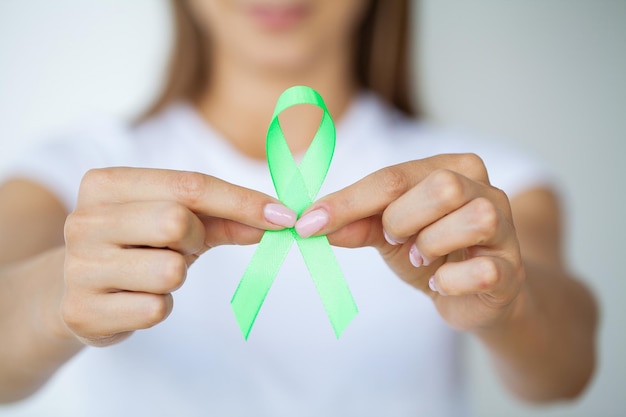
{"x":60,"y":163}
{"x":511,"y":168}
{"x":514,"y":170}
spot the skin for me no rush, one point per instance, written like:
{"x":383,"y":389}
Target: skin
{"x":492,"y":266}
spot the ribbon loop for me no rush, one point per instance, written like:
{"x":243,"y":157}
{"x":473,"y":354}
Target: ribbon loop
{"x":296,"y":187}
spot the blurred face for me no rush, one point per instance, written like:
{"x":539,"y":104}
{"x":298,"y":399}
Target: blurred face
{"x":280,"y":35}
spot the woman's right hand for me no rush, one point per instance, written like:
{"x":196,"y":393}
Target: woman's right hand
{"x":135,"y":232}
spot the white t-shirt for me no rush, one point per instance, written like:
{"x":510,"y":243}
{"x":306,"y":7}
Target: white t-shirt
{"x":397,"y":357}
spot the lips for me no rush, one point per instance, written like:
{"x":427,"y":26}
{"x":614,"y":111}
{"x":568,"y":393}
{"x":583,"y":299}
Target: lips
{"x":279,"y":16}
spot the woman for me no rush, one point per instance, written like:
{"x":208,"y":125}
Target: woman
{"x":489,"y":262}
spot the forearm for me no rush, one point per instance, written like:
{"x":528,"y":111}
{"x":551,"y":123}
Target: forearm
{"x":35,"y":340}
{"x":545,"y":349}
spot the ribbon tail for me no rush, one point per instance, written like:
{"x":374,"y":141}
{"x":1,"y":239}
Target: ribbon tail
{"x":329,"y":281}
{"x":259,"y":277}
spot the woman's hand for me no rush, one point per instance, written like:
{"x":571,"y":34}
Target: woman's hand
{"x":135,"y":232}
{"x":440,"y":226}
{"x":445,"y":230}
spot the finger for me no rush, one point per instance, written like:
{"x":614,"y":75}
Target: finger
{"x":365,"y":198}
{"x":372,"y":194}
{"x":363,"y":232}
{"x":200,"y":193}
{"x":492,"y":276}
{"x":102,"y":316}
{"x":227,"y":232}
{"x":157,"y":271}
{"x":477,"y":223}
{"x":160,"y":224}
{"x":440,"y":193}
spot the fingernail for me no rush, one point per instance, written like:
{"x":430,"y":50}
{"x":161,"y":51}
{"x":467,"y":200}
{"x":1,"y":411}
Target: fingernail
{"x":312,"y":222}
{"x":391,"y":240}
{"x":433,"y":286}
{"x":415,"y":257}
{"x":279,"y":215}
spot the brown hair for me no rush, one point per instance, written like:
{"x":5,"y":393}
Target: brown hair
{"x":382,"y":57}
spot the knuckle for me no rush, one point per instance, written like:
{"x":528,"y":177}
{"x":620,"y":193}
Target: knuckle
{"x":501,"y":198}
{"x":188,"y":186}
{"x":487,"y":273}
{"x":485,"y":218}
{"x":446,"y":187}
{"x":95,"y":179}
{"x":473,"y":166}
{"x":156,"y":309}
{"x":393,"y":181}
{"x":173,"y":271}
{"x":174,"y":222}
{"x":76,"y":225}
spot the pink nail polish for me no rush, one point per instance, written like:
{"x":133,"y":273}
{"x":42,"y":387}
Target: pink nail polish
{"x":279,"y":215}
{"x":391,"y":240}
{"x":415,"y":257}
{"x":432,"y":285}
{"x":312,"y":222}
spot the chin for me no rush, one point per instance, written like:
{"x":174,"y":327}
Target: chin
{"x":283,"y":58}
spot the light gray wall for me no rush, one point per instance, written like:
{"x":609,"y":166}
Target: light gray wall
{"x":549,"y":75}
{"x":63,"y":62}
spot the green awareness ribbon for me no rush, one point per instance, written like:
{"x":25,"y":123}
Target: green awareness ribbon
{"x":296,"y":187}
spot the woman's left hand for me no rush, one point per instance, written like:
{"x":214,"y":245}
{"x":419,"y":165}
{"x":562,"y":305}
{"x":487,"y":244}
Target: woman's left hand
{"x":440,"y":226}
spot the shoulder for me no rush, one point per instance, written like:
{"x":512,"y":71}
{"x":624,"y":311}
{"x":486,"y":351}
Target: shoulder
{"x":58,"y":163}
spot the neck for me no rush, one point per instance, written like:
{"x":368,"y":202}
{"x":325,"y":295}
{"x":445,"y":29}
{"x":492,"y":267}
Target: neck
{"x":240,"y":100}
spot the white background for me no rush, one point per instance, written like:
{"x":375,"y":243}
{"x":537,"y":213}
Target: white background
{"x":547,"y":75}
